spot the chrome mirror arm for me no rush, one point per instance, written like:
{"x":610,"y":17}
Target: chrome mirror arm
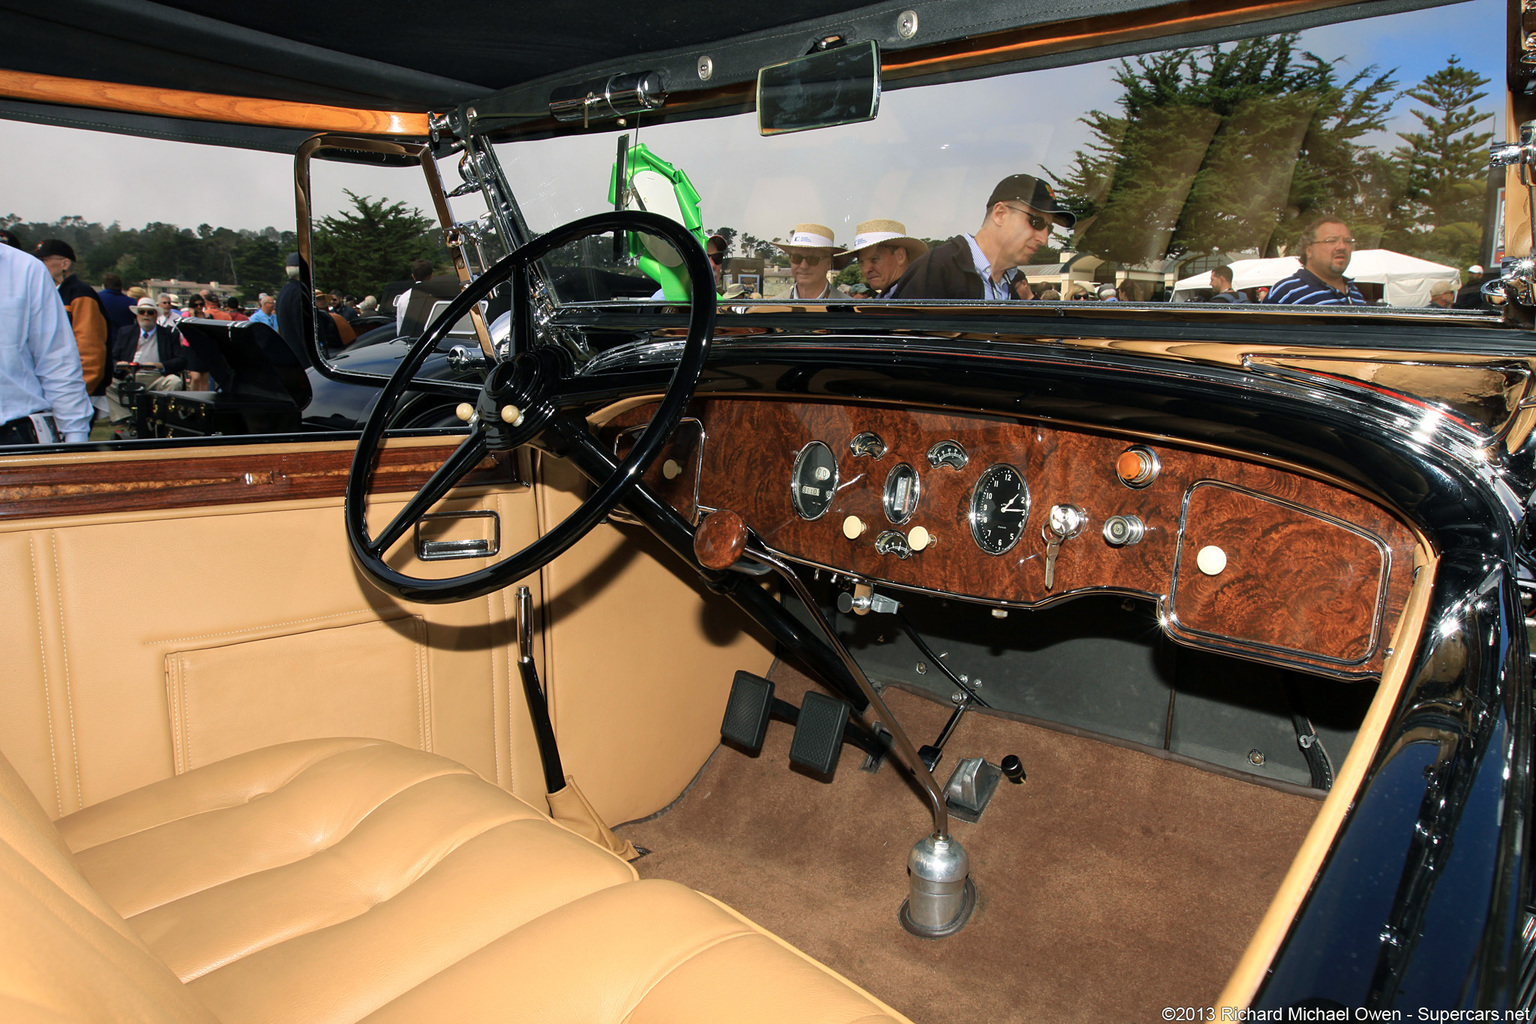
{"x":1516,"y":286}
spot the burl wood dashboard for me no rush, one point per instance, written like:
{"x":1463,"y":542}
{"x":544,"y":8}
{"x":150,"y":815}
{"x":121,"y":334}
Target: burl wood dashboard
{"x":1245,"y":557}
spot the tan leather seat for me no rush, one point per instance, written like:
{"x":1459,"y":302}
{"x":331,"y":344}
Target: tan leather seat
{"x":342,"y":880}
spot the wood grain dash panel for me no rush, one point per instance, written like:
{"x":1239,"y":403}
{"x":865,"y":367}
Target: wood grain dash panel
{"x":1294,"y":580}
{"x":749,"y":452}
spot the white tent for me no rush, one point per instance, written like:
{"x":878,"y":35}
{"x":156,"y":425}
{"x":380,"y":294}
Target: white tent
{"x":1408,"y":280}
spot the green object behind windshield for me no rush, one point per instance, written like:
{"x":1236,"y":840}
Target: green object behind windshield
{"x":650,"y":183}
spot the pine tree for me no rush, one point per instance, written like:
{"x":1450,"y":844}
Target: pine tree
{"x":360,"y":250}
{"x":1222,"y":150}
{"x":1446,"y":168}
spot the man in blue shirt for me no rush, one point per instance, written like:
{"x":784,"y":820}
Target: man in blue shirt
{"x":267,"y":314}
{"x":1018,"y":221}
{"x":1326,"y":250}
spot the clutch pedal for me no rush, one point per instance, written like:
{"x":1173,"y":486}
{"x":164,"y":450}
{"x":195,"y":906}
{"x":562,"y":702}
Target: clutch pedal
{"x":819,"y":733}
{"x":747,"y":711}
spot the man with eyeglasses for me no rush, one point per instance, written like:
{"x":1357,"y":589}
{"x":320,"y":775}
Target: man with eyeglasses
{"x":812,"y":254}
{"x":1326,"y":249}
{"x":981,"y":266}
{"x":145,"y":355}
{"x":169,"y":315}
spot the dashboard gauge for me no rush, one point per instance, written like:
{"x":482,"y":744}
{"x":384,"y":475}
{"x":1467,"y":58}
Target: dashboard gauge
{"x":867,"y":443}
{"x":948,"y":453}
{"x":813,"y":481}
{"x":999,"y":508}
{"x":902,"y":488}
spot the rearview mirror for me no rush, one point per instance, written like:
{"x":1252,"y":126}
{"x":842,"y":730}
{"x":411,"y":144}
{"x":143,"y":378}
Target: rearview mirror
{"x":837,"y":86}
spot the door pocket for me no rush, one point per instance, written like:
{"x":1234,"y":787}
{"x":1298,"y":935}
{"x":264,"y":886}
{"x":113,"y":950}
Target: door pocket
{"x":366,"y":679}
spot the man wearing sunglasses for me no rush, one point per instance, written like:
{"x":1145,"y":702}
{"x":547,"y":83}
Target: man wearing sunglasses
{"x":714,"y":248}
{"x":1326,"y":249}
{"x":1019,"y":217}
{"x":813,"y":255}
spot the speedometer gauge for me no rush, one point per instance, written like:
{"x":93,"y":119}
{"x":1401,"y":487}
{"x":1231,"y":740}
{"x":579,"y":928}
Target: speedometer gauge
{"x":813,"y":481}
{"x":999,"y":508}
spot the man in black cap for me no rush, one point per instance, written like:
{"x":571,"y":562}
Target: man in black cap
{"x":291,"y":301}
{"x":87,"y":316}
{"x":980,"y":266}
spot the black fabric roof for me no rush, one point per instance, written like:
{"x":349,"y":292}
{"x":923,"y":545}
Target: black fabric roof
{"x":385,"y":54}
{"x":503,"y":55}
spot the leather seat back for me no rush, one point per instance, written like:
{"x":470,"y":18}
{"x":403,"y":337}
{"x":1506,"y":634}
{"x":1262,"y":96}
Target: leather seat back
{"x":65,"y":954}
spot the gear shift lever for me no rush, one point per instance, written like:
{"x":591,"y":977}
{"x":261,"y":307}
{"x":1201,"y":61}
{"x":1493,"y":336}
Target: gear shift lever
{"x":942,"y":895}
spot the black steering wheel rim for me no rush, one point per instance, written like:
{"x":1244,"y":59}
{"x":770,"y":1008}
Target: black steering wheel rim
{"x":537,"y":374}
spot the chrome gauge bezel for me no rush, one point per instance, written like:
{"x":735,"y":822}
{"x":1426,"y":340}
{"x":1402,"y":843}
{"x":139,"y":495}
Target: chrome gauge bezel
{"x":975,"y":514}
{"x":892,"y":494}
{"x":796,"y":496}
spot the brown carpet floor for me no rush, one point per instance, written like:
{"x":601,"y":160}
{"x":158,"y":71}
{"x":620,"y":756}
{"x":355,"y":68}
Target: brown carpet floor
{"x":1112,"y":882}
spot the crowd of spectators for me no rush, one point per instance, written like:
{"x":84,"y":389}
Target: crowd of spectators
{"x":123,"y":340}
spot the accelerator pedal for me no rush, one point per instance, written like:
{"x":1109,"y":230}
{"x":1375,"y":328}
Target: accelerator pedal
{"x":819,"y":733}
{"x":747,"y":712}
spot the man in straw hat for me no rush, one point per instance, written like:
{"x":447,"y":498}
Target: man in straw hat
{"x":884,"y":251}
{"x":153,"y":354}
{"x":1019,"y":216}
{"x":812,"y":255}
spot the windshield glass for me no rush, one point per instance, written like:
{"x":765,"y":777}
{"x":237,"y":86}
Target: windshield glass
{"x":1340,"y":165}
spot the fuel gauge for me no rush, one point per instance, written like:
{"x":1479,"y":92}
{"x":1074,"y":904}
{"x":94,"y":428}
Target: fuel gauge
{"x":902,"y":488}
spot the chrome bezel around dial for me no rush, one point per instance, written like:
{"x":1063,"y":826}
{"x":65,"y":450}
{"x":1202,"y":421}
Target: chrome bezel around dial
{"x":816,"y":508}
{"x":980,"y":520}
{"x":891,"y":495}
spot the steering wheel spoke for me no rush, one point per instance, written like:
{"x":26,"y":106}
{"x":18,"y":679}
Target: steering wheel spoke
{"x":465,"y":458}
{"x":532,"y":398}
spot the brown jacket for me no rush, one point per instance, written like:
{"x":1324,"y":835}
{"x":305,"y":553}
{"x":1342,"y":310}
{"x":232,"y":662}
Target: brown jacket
{"x":89,"y":321}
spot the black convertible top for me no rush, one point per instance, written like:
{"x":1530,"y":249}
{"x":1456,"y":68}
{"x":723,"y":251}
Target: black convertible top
{"x":433,"y":55}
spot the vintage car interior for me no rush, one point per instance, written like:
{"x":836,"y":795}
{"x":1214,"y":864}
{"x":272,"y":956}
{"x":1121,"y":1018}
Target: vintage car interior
{"x":785,"y":660}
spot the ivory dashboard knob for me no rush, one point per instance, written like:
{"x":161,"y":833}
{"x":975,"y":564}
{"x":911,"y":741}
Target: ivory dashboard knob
{"x":464,"y":411}
{"x":918,"y":538}
{"x":511,"y":414}
{"x":853,"y":527}
{"x":671,"y":470}
{"x":1211,"y":560}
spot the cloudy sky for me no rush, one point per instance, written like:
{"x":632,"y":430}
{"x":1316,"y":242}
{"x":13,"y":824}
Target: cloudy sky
{"x":929,"y":159}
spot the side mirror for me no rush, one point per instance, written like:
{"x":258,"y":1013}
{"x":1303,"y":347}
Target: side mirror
{"x":837,"y":86}
{"x":395,"y":212}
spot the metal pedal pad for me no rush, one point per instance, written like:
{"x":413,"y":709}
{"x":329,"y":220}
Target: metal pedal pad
{"x":819,"y":733}
{"x":747,"y":711}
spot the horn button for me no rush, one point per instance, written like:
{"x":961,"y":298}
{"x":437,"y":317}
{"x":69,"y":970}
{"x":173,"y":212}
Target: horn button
{"x":518,"y":399}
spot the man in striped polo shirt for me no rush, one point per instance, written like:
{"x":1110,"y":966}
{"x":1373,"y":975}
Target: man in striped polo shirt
{"x":1326,"y":251}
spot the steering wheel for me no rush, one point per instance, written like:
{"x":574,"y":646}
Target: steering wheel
{"x":533,"y":397}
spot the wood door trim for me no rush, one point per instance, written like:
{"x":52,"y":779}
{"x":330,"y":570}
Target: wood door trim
{"x":40,"y":487}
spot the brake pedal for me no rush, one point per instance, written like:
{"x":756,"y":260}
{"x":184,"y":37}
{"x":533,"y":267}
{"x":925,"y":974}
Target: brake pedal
{"x":819,"y":733}
{"x":747,"y":711}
